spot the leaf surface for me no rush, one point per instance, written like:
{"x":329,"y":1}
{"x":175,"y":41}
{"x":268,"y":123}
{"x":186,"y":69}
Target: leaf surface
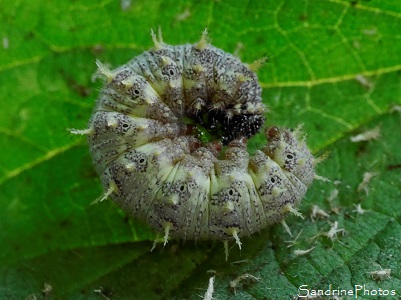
{"x":333,"y":66}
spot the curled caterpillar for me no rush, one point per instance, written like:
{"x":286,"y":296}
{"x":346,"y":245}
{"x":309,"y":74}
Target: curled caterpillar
{"x":146,"y":145}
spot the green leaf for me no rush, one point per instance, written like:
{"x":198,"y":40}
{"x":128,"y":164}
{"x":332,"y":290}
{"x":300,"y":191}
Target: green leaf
{"x":333,"y":66}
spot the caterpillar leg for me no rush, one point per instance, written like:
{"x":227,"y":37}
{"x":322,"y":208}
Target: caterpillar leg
{"x":286,"y":227}
{"x":157,"y":39}
{"x":237,"y":241}
{"x":112,"y":189}
{"x":106,"y":72}
{"x":81,"y":131}
{"x":203,"y":43}
{"x":291,"y":209}
{"x":226,"y":248}
{"x":235,"y":236}
{"x":321,"y":178}
{"x":257,"y":64}
{"x":167,"y":227}
{"x":154,"y":243}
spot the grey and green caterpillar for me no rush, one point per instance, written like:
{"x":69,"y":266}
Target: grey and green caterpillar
{"x":146,"y":147}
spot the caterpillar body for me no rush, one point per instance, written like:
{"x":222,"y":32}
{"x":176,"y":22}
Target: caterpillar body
{"x":145,"y":143}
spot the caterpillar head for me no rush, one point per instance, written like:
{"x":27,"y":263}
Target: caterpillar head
{"x":226,"y":96}
{"x":243,"y":115}
{"x":243,"y":125}
{"x":228,"y":124}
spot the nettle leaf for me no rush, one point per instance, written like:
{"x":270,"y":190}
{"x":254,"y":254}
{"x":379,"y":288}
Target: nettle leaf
{"x":333,"y":66}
